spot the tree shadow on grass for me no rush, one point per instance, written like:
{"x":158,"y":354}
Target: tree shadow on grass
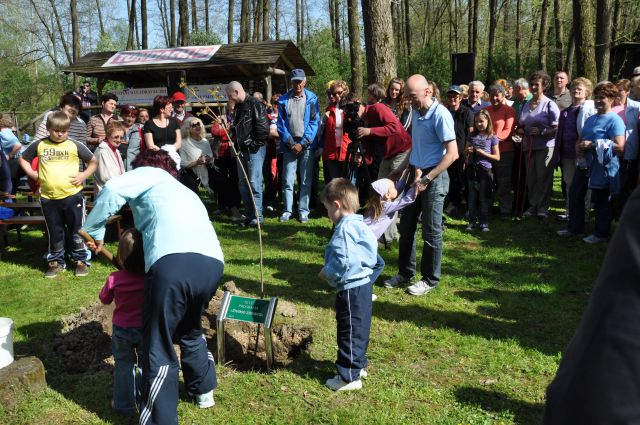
{"x":495,"y":401}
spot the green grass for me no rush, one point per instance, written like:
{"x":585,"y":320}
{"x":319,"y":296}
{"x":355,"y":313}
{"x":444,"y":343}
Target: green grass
{"x":481,"y":349}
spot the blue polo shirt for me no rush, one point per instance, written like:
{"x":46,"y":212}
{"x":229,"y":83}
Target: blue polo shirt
{"x":429,"y":133}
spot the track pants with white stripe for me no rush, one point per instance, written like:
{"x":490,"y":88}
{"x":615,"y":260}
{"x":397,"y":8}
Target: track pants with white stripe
{"x":353,"y":317}
{"x":177,"y":290}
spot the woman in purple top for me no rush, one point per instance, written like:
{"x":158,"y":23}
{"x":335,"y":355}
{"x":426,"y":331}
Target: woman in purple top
{"x":569,"y":128}
{"x":482,"y":148}
{"x":537,"y":126}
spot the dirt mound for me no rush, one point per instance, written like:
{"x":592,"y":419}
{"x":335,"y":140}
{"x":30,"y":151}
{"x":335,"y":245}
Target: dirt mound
{"x":84,"y":342}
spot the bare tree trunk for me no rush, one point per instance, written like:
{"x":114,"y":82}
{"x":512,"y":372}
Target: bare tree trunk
{"x":172,"y":16}
{"x":266,"y":13}
{"x":206,"y":16}
{"x":571,"y":50}
{"x":583,"y":32}
{"x":65,"y":46}
{"x":559,"y":36}
{"x":75,"y":35}
{"x":407,"y":31}
{"x":298,"y":27}
{"x":616,"y":22}
{"x":277,"y":19}
{"x":518,"y":54}
{"x":230,"y":22}
{"x":353,"y":22}
{"x":100,"y":22}
{"x":378,"y":39}
{"x":493,"y":23}
{"x":162,"y":7}
{"x":336,"y":16}
{"x":194,"y":16}
{"x":475,"y":26}
{"x":603,"y":38}
{"x":183,"y":11}
{"x":256,"y":20}
{"x":302,"y":22}
{"x":143,"y":24}
{"x":132,"y":24}
{"x":542,"y":38}
{"x":244,"y":21}
{"x":506,"y":27}
{"x":48,"y":29}
{"x":332,"y":22}
{"x":470,"y":27}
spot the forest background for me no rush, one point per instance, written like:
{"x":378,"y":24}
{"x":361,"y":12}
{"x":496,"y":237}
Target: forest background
{"x":360,"y":41}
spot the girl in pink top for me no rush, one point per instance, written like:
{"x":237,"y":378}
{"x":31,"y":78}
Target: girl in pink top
{"x":126,"y":287}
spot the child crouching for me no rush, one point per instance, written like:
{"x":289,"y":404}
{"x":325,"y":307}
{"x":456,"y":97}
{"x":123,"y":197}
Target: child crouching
{"x":350,"y":262}
{"x":126,"y":287}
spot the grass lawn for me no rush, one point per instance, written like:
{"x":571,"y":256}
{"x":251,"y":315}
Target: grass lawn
{"x":480,"y":349}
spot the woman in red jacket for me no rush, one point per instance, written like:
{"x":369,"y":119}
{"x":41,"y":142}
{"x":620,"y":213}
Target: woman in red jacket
{"x":334,"y":139}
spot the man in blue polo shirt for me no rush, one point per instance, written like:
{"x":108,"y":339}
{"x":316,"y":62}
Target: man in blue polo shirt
{"x":434,"y":149}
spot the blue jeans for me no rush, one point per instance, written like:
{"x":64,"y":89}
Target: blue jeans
{"x":126,"y":343}
{"x":252,"y":163}
{"x":291,"y":162}
{"x":430,"y":203}
{"x":479,"y":184}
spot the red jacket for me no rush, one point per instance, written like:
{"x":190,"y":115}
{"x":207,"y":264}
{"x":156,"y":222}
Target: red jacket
{"x":387,"y":129}
{"x":217,"y":131}
{"x":331,"y":151}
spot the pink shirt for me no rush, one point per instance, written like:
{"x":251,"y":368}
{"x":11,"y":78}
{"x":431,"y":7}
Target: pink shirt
{"x":127,"y":289}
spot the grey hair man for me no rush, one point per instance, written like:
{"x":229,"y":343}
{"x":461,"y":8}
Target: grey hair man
{"x":475,"y":101}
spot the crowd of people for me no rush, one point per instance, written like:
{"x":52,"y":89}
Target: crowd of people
{"x":400,"y":150}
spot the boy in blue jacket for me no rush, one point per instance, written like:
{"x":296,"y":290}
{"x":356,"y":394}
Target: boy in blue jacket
{"x":349,"y":266}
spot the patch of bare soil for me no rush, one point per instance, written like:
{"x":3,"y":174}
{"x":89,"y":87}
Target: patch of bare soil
{"x":83,"y":345}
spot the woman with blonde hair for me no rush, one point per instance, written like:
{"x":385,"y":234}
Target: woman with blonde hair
{"x":196,"y":155}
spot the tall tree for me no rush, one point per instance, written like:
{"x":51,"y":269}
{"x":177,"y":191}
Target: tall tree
{"x":230,"y":22}
{"x":571,"y":50}
{"x":164,"y":19}
{"x":298,"y":25}
{"x":603,"y":38}
{"x":616,"y":21}
{"x":100,"y":21}
{"x":266,"y":13}
{"x":132,"y":25}
{"x":379,"y":42}
{"x":172,"y":17}
{"x":336,"y":17}
{"x":244,"y":21}
{"x":493,"y":23}
{"x":517,"y":46}
{"x":183,"y":12}
{"x":407,"y":31}
{"x":143,"y":23}
{"x":332,"y":24}
{"x":207,"y":28}
{"x":277,"y":19}
{"x":559,"y":37}
{"x":75,"y":35}
{"x":470,"y":27}
{"x":63,"y":40}
{"x":542,"y":37}
{"x":194,"y":16}
{"x":475,"y":26}
{"x":303,"y":7}
{"x":583,"y":32}
{"x":353,"y":22}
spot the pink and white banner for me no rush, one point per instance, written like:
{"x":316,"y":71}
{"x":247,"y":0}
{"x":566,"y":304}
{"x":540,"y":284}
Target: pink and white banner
{"x":160,"y":56}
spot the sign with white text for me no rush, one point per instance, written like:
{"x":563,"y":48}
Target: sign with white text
{"x":185,"y":54}
{"x":207,"y":92}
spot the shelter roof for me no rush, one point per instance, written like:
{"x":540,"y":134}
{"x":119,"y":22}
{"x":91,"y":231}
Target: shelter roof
{"x":238,"y":60}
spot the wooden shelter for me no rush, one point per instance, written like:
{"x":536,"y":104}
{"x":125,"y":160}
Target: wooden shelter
{"x":258,"y":65}
{"x":624,"y":58}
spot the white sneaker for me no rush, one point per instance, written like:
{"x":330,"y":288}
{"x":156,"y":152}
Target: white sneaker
{"x":204,"y":401}
{"x":529,"y":212}
{"x":337,"y":384}
{"x":285,"y":217}
{"x":394,"y":281}
{"x":420,"y":288}
{"x":484,"y":227}
{"x":374,"y":297}
{"x":363,"y":373}
{"x":471,"y":226}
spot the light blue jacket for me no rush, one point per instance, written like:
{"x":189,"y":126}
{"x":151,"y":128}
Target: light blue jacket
{"x":171,"y":218}
{"x":311,"y":121}
{"x":351,"y":254}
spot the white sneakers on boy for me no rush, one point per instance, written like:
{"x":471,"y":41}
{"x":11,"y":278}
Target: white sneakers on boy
{"x":337,"y":384}
{"x":420,"y":288}
{"x":204,"y":401}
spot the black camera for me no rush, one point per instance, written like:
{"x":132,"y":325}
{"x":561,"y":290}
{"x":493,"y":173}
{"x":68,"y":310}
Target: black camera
{"x":352,"y":120}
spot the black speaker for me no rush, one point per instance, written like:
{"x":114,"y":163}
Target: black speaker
{"x":174,"y":79}
{"x":463,"y":68}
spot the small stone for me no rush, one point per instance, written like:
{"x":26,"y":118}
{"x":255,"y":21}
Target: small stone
{"x":25,"y":375}
{"x":489,"y":381}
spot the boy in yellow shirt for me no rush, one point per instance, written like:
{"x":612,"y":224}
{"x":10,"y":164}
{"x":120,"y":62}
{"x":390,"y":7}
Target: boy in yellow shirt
{"x":63,"y":204}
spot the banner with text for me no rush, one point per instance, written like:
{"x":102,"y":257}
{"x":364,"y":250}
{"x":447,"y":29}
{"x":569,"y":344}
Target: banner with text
{"x":209,"y":93}
{"x":162,"y":56}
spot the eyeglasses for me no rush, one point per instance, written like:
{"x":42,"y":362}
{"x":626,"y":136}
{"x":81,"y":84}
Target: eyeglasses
{"x":116,"y":137}
{"x":195,"y":125}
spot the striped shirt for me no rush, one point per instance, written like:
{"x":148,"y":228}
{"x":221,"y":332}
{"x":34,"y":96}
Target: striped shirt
{"x":77,"y":131}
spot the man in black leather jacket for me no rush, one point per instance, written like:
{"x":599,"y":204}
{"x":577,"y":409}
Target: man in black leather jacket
{"x":249,"y":132}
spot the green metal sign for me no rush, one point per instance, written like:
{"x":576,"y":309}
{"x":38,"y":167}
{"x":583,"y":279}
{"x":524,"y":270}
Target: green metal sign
{"x":247,"y":309}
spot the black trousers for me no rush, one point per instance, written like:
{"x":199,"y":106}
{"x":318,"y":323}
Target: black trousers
{"x":177,"y":290}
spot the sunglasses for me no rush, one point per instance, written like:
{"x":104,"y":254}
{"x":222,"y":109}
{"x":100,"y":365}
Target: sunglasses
{"x":195,"y":125}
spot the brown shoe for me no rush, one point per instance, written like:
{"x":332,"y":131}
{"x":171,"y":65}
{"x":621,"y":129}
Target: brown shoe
{"x":53,"y":269}
{"x":81,"y":269}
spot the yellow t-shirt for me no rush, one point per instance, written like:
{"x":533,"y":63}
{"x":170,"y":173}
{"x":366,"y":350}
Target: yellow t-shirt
{"x":58,"y":162}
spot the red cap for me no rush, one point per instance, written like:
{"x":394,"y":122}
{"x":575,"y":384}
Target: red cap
{"x":179,"y":96}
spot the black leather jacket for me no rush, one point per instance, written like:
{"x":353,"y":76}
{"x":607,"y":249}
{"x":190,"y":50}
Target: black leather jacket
{"x":250,"y":126}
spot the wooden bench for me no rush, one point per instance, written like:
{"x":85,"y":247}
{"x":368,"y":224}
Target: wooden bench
{"x":38,"y":220}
